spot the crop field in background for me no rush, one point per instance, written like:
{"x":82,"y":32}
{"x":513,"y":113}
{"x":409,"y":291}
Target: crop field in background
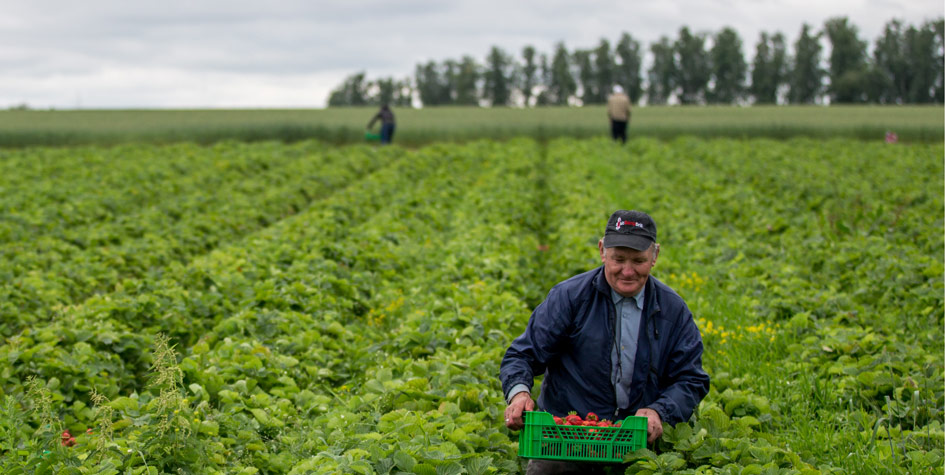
{"x":306,"y":307}
{"x":417,"y":127}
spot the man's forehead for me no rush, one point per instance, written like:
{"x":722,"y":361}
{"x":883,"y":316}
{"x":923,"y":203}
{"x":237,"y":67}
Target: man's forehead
{"x":626,"y":251}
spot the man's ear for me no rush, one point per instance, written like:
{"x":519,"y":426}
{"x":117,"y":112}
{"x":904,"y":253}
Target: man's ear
{"x":600,"y":247}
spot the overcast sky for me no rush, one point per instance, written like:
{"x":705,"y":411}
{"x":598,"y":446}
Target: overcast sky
{"x":67,"y":54}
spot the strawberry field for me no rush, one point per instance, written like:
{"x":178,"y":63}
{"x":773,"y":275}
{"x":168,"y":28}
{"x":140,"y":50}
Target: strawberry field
{"x":306,"y":308}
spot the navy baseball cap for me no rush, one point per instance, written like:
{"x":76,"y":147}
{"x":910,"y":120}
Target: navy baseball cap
{"x":633,"y":229}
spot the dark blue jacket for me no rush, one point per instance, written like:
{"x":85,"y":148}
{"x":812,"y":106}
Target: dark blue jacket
{"x":570,"y":337}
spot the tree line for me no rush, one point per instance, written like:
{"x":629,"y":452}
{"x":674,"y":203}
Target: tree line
{"x":905,"y":66}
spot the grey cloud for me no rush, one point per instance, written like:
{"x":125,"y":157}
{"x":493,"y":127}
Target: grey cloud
{"x":49,"y":42}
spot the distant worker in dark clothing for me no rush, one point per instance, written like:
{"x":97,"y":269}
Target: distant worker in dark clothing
{"x":618,"y":109}
{"x":386,"y":116}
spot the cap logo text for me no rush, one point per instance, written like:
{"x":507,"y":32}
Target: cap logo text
{"x":621,"y":222}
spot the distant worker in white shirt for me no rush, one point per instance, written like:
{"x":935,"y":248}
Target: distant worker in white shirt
{"x":618,"y":109}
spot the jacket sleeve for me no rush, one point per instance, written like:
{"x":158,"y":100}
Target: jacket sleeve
{"x":529,"y":354}
{"x":688,"y":382}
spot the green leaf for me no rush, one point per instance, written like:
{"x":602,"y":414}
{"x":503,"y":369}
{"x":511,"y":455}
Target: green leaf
{"x":748,"y":421}
{"x":638,"y":455}
{"x":451,"y":468}
{"x":123,"y":404}
{"x":478,"y":465}
{"x":265,"y":419}
{"x":210,"y":428}
{"x":404,"y":461}
{"x":424,"y":469}
{"x":670,"y":461}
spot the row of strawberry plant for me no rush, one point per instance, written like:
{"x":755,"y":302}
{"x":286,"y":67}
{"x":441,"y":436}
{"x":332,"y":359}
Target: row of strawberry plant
{"x":652,"y":176}
{"x":326,"y":343}
{"x":265,"y":264}
{"x":849,"y":265}
{"x":425,"y":215}
{"x":110,"y":331}
{"x":386,"y":242}
{"x":785,"y":259}
{"x":431,"y":403}
{"x":68,"y":192}
{"x":730,"y":236}
{"x":103,"y":343}
{"x":55,"y":272}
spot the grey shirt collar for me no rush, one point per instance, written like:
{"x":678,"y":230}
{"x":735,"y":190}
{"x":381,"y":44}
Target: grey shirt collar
{"x":637,"y":299}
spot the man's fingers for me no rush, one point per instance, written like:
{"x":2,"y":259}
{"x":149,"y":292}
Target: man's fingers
{"x":654,"y":430}
{"x":514,"y":422}
{"x":513,"y":413}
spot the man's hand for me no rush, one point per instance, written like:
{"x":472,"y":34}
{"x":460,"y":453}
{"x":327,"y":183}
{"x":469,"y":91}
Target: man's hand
{"x":513,"y":414}
{"x":654,"y":425}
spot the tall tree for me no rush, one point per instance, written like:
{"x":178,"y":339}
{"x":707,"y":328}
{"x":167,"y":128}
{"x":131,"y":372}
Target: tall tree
{"x":467,"y":79}
{"x":938,"y":30}
{"x":848,"y":76}
{"x":585,"y":74}
{"x":430,"y":84}
{"x":604,"y":71}
{"x":562,"y":85}
{"x":925,"y":62}
{"x":769,"y":68}
{"x":529,"y":74}
{"x":498,"y":77}
{"x":890,"y":76}
{"x":386,"y":88}
{"x":728,"y":68}
{"x":628,"y":71}
{"x":390,"y":91}
{"x":403,"y":93}
{"x":806,"y":77}
{"x":544,"y":80}
{"x":692,"y":66}
{"x":662,"y":73}
{"x":450,"y":72}
{"x":352,"y":92}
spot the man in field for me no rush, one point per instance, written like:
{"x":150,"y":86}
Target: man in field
{"x":613,"y":341}
{"x":386,"y":116}
{"x":618,"y":110}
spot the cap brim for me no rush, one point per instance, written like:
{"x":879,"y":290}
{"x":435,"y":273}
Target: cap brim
{"x":640,"y":243}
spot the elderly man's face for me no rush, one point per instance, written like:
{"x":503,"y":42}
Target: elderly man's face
{"x":627,"y":269}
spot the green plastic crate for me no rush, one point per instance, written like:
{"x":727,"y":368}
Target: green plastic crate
{"x":543,"y":439}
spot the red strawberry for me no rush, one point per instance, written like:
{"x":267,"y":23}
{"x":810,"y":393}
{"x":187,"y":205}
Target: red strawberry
{"x":605,"y":423}
{"x":558,"y":421}
{"x":590,"y":423}
{"x":573,"y":419}
{"x":591,"y":417}
{"x":67,"y":439}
